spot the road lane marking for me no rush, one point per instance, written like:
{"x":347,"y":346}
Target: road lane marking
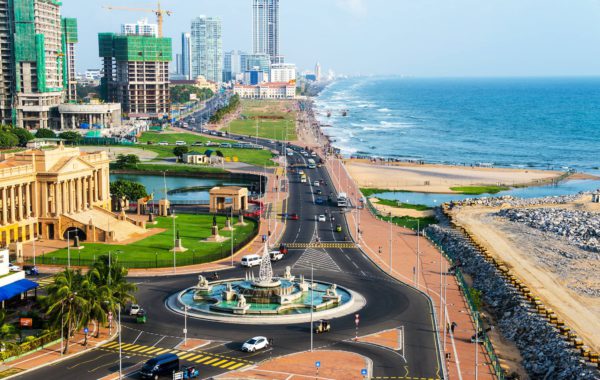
{"x":219,"y":363}
{"x":211,"y":361}
{"x":185,"y":356}
{"x":227,"y":364}
{"x":238,"y":365}
{"x":195,"y":358}
{"x":203,"y":359}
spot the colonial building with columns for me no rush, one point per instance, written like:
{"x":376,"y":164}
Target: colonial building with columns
{"x":50,"y":192}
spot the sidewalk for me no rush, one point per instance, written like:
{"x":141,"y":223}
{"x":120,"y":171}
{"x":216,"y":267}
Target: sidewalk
{"x":52,"y":354}
{"x":429,"y":277}
{"x":276,"y":201}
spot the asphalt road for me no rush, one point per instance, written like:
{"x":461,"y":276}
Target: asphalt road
{"x":390,"y":304}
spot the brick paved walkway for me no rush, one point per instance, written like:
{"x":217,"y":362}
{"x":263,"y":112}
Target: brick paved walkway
{"x":431,"y":278}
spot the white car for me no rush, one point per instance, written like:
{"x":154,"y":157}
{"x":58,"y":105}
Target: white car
{"x":180,"y":143}
{"x":316,"y":183}
{"x":275,"y":255}
{"x":134,"y":309}
{"x":313,"y":154}
{"x":255,"y":344}
{"x":321,"y":218}
{"x":13,"y":268}
{"x":163,"y":143}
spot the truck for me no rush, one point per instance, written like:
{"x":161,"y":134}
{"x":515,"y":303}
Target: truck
{"x":342,"y":200}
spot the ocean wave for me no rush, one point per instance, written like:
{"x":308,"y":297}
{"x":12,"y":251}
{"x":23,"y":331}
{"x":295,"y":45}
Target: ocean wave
{"x":384,"y":110}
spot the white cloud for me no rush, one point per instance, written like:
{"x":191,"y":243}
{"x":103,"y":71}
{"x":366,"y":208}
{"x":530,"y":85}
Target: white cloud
{"x":356,"y":7}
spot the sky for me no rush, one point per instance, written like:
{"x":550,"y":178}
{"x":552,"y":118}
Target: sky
{"x":422,"y":38}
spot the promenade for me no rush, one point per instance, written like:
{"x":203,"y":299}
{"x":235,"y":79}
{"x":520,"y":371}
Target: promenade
{"x":414,"y":261}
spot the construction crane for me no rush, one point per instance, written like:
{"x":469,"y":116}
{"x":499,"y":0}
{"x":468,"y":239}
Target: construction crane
{"x":159,"y":12}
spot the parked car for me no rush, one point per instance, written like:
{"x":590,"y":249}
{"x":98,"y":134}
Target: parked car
{"x":294,"y":216}
{"x":225,"y":145}
{"x":316,"y":183}
{"x":198,"y":143}
{"x":134,"y":309}
{"x":163,"y":143}
{"x":321,"y":218}
{"x":13,"y":268}
{"x":30,"y":270}
{"x":255,"y":344}
{"x":164,"y":364}
{"x":250,"y":260}
{"x":180,"y":143}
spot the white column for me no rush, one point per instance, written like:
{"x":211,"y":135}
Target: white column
{"x":4,"y":207}
{"x":90,"y":190}
{"x":28,"y":200}
{"x":71,"y":196}
{"x":12,"y":204}
{"x":58,"y":198}
{"x":44,"y":190}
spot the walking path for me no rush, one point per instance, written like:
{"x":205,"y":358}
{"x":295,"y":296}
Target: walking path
{"x":384,"y":243}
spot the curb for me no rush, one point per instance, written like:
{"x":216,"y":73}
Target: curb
{"x":63,"y":358}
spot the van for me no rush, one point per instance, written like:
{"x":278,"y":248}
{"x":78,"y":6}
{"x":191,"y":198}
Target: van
{"x":250,"y":260}
{"x":162,"y":365}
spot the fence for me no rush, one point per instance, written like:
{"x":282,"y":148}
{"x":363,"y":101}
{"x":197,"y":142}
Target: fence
{"x":14,"y":351}
{"x":465,"y":288}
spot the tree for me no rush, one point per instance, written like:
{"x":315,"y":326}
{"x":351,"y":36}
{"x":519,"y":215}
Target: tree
{"x":71,"y":137}
{"x":8,"y":140}
{"x":44,"y":133}
{"x":66,"y":303}
{"x":179,"y":151}
{"x":7,"y":330}
{"x":126,"y":160}
{"x":23,"y":135}
{"x":181,"y":94}
{"x":128,"y":189}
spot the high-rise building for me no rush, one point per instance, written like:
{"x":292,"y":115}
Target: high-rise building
{"x":141,"y":28}
{"x":31,"y":62}
{"x":136,"y":73}
{"x":232,"y":64}
{"x":186,"y":55}
{"x":207,"y":50}
{"x":265,"y":29}
{"x":318,"y":72}
{"x":178,"y":65}
{"x":283,"y":72}
{"x":69,"y":39}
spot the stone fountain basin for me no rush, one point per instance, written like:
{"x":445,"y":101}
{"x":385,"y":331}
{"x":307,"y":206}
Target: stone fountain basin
{"x":267,"y":316}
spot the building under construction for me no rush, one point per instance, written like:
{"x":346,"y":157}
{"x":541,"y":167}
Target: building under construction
{"x":136,"y":73}
{"x":32,"y":61}
{"x":69,"y":39}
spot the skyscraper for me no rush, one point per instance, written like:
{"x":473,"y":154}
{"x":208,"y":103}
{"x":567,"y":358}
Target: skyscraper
{"x":232,"y":65}
{"x":32,"y":77}
{"x":265,"y":29}
{"x":207,"y":50}
{"x":186,"y":55}
{"x":318,"y":72}
{"x":70,"y":38}
{"x":141,"y":28}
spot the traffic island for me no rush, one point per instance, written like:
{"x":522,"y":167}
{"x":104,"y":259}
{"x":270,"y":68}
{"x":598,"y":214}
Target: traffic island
{"x":322,"y":364}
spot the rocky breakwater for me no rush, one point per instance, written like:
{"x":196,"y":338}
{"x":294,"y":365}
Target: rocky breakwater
{"x":581,"y":228}
{"x":511,"y":201}
{"x":546,"y":354}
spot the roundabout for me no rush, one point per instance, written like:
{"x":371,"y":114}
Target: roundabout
{"x":266,"y":299}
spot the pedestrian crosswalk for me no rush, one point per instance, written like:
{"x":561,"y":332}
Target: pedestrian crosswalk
{"x":317,"y":259}
{"x":197,"y":357}
{"x":45,"y":281}
{"x":324,"y":244}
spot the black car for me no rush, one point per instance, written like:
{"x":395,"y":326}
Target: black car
{"x":162,"y":365}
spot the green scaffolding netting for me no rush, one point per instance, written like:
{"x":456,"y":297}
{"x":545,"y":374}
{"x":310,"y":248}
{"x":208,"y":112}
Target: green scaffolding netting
{"x":135,"y":48}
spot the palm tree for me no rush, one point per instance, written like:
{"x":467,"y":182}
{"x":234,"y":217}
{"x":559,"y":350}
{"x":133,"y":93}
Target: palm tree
{"x":67,"y":305}
{"x":7,"y":330}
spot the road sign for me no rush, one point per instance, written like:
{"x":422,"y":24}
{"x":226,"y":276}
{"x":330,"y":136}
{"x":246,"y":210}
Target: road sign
{"x":85,"y":330}
{"x":363,"y":372}
{"x":185,"y":331}
{"x":317,"y":364}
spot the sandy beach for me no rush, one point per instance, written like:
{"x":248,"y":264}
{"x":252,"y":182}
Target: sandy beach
{"x":431,"y":178}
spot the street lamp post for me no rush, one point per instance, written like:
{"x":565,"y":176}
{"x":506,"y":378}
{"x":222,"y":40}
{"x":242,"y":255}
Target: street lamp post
{"x":312,"y":283}
{"x":120,"y":346}
{"x":232,"y":230}
{"x":185,"y":310}
{"x":390,"y":215}
{"x":418,"y":252}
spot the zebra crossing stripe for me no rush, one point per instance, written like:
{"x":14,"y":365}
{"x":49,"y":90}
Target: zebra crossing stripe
{"x":185,"y":356}
{"x":140,"y":348}
{"x":211,"y":361}
{"x":162,"y":351}
{"x":111,"y":344}
{"x":226,"y":365}
{"x":147,"y":349}
{"x":153,"y":350}
{"x":195,"y":358}
{"x":219,"y":363}
{"x":238,"y":365}
{"x":203,"y":359}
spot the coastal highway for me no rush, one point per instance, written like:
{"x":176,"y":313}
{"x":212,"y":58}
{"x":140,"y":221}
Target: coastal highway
{"x":390,"y":304}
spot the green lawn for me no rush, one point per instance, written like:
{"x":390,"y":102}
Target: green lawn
{"x":476,"y":190}
{"x":154,"y":250}
{"x":393,"y":203}
{"x":368,"y":191}
{"x":258,"y":157}
{"x":177,"y":168}
{"x":274,"y":119}
{"x":410,"y":222}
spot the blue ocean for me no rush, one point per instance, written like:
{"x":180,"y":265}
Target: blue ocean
{"x":549,"y":123}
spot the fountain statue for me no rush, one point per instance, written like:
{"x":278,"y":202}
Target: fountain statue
{"x":265,"y":273}
{"x":287,"y":275}
{"x":203,"y":288}
{"x":241,"y":301}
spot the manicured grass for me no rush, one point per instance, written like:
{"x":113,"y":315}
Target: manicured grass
{"x":274,"y":119}
{"x":258,"y":157}
{"x":368,"y":191}
{"x":476,"y":190}
{"x":410,"y":222}
{"x":393,"y":203}
{"x":153,"y":251}
{"x":178,"y":168}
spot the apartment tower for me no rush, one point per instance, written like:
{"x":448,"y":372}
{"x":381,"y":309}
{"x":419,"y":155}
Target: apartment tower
{"x":207,"y":49}
{"x":265,"y":29}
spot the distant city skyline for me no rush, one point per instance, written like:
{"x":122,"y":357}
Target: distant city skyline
{"x":404,"y":37}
